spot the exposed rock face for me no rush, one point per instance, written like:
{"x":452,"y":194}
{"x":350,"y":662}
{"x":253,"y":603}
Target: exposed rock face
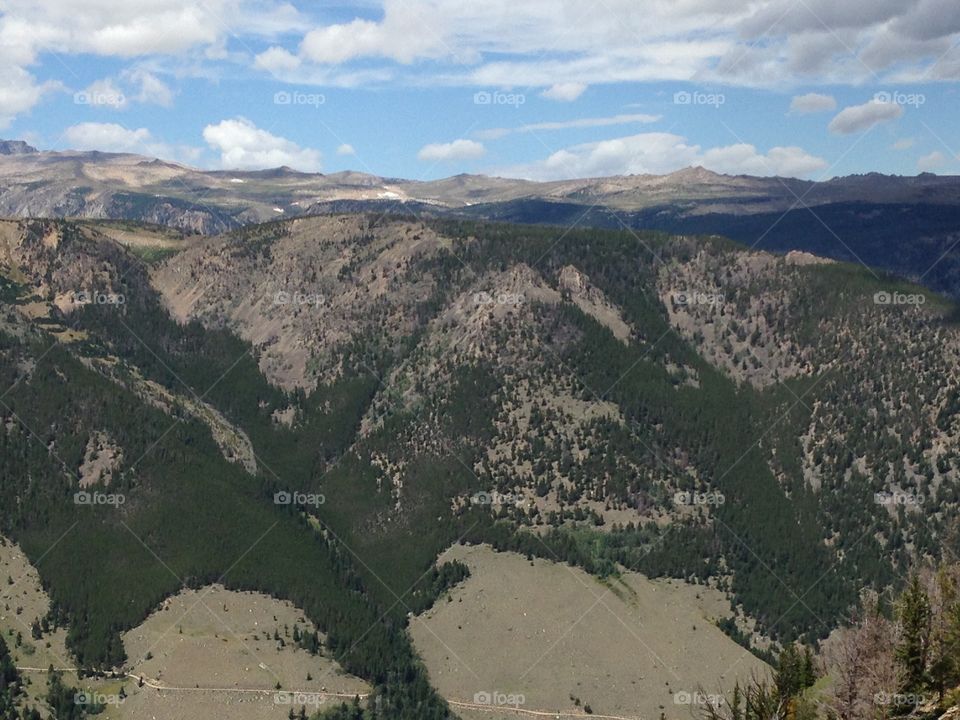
{"x":798,"y":257}
{"x":301,"y":291}
{"x":15,"y":147}
{"x":952,"y":713}
{"x":592,"y":302}
{"x":102,"y":458}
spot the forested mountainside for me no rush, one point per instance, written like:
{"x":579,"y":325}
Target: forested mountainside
{"x":781,"y":427}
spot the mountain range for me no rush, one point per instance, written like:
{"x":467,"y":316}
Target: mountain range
{"x":905,"y":225}
{"x":355,"y":373}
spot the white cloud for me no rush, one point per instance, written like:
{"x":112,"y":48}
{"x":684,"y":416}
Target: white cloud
{"x":659,"y":153}
{"x":131,"y":28}
{"x":30,"y":29}
{"x":903,"y":144}
{"x":152,"y":89}
{"x":346,"y":149}
{"x":108,"y":137}
{"x":243,"y":145}
{"x":497,"y":43}
{"x":844,"y":42}
{"x":743,"y":159}
{"x":107,"y":94}
{"x":276,"y":60}
{"x":494,"y":133}
{"x":406,"y":34}
{"x":135,"y":27}
{"x":111,"y":137}
{"x":564,"y":92}
{"x":859,"y":118}
{"x":102,"y":94}
{"x":932,"y":162}
{"x":812,"y":103}
{"x":503,"y":43}
{"x":456,"y":150}
{"x":19,"y":92}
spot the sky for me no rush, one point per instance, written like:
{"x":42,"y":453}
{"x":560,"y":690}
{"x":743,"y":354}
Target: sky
{"x":540,"y":89}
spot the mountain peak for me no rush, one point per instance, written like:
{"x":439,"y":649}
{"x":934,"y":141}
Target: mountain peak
{"x":695,"y":173}
{"x":16,"y":147}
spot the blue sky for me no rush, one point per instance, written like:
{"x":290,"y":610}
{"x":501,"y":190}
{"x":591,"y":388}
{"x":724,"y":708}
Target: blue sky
{"x":542,"y":89}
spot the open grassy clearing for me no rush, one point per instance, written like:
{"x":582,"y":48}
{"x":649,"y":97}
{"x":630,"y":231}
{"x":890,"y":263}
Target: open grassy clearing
{"x":629,"y":647}
{"x":212,"y":653}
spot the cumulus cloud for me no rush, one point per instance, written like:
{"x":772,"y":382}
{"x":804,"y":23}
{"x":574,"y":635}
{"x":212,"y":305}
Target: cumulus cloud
{"x":243,"y":145}
{"x":930,"y":19}
{"x":816,"y":40}
{"x":456,"y":150}
{"x":498,"y":43}
{"x":564,"y":92}
{"x":784,"y":16}
{"x":346,"y":149}
{"x":19,"y":92}
{"x":932,"y":162}
{"x":29,"y":29}
{"x":108,"y":137}
{"x":494,"y":133}
{"x":744,"y":159}
{"x":858,"y":118}
{"x":812,"y":103}
{"x":844,"y":42}
{"x":152,"y":90}
{"x":135,"y":28}
{"x":102,"y":94}
{"x":112,"y":137}
{"x":659,"y":153}
{"x":406,"y":33}
{"x":903,"y":144}
{"x":128,"y":29}
{"x":276,"y":60}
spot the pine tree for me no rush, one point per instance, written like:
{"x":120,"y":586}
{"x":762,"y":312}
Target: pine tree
{"x":787,"y":677}
{"x":944,"y":662}
{"x":914,"y":615}
{"x":808,"y":672}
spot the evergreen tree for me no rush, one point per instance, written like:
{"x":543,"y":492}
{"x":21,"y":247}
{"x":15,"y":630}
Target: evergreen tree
{"x":945,"y":637}
{"x":914,"y":616}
